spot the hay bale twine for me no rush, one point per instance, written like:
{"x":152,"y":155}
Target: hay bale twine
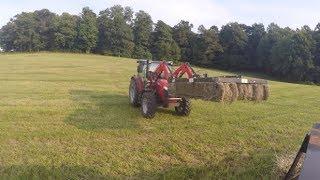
{"x":258,"y":92}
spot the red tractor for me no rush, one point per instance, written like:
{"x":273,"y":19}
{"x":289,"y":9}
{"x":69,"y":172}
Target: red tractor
{"x":150,"y":87}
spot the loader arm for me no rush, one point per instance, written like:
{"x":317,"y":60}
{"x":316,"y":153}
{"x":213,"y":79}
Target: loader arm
{"x":163,"y":70}
{"x":185,"y":68}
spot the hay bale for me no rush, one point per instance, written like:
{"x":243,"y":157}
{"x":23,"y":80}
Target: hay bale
{"x":245,"y":91}
{"x":206,"y":90}
{"x":234,"y":90}
{"x":198,"y":90}
{"x":202,"y":90}
{"x":248,"y":94}
{"x":241,"y":91}
{"x":228,"y":94}
{"x":218,"y":92}
{"x":221,"y":91}
{"x":225,"y":92}
{"x":266,"y":92}
{"x":258,"y":92}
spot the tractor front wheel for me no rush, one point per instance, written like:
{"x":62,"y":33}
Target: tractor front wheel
{"x":184,"y":107}
{"x":148,"y":104}
{"x":134,"y":94}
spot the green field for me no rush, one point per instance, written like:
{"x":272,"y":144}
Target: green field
{"x":67,"y":116}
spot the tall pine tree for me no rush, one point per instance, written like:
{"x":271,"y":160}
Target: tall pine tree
{"x":164,"y":47}
{"x":255,"y":33}
{"x":183,"y":35}
{"x":115,"y":32}
{"x":234,"y":41}
{"x":142,"y":29}
{"x":207,"y":46}
{"x":87,"y":31}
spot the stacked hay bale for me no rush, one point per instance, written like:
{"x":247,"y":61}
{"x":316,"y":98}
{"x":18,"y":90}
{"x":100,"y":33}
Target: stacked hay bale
{"x":229,"y":92}
{"x":197,"y":90}
{"x":223,"y":89}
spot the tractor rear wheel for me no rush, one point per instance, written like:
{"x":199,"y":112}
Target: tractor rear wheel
{"x":184,"y":107}
{"x":134,"y":94}
{"x":148,"y":104}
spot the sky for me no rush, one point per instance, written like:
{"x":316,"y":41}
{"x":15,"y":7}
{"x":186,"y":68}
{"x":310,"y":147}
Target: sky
{"x":286,"y":13}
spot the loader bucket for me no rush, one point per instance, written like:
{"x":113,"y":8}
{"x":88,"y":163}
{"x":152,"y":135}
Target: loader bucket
{"x":221,"y":89}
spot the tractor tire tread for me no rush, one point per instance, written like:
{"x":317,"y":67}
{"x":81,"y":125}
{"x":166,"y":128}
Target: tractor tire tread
{"x":136,"y":100}
{"x":151,"y":104}
{"x":184,"y":108}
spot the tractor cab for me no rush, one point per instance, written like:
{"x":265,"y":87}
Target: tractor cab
{"x":142,"y":67}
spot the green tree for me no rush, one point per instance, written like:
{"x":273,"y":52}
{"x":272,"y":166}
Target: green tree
{"x":206,"y":46}
{"x":115,"y":32}
{"x":45,"y":28}
{"x":104,"y":35}
{"x":313,"y":74}
{"x":273,"y":35}
{"x":65,"y":32}
{"x":8,"y":36}
{"x":27,"y":39}
{"x":291,"y":57}
{"x":142,"y":29}
{"x":316,"y":37}
{"x":87,"y":31}
{"x":234,"y":42}
{"x":255,"y":33}
{"x":164,"y":47}
{"x":183,"y":35}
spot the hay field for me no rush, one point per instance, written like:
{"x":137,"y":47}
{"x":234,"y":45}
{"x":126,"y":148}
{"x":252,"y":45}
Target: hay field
{"x":67,"y":116}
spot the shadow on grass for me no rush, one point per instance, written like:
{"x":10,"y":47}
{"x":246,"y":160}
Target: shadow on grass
{"x":43,"y":172}
{"x":101,"y":110}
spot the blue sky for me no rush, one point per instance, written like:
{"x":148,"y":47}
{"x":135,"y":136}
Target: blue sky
{"x":292,"y":13}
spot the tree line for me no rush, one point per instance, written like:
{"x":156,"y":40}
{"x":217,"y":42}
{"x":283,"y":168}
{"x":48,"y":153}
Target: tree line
{"x":285,"y":53}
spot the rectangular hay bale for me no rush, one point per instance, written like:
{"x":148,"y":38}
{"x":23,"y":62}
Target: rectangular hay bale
{"x":222,"y":89}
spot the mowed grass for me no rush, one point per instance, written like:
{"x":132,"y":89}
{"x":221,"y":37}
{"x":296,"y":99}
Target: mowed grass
{"x":67,"y":116}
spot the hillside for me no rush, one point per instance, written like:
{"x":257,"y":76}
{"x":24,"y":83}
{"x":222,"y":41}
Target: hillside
{"x":68,"y":116}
